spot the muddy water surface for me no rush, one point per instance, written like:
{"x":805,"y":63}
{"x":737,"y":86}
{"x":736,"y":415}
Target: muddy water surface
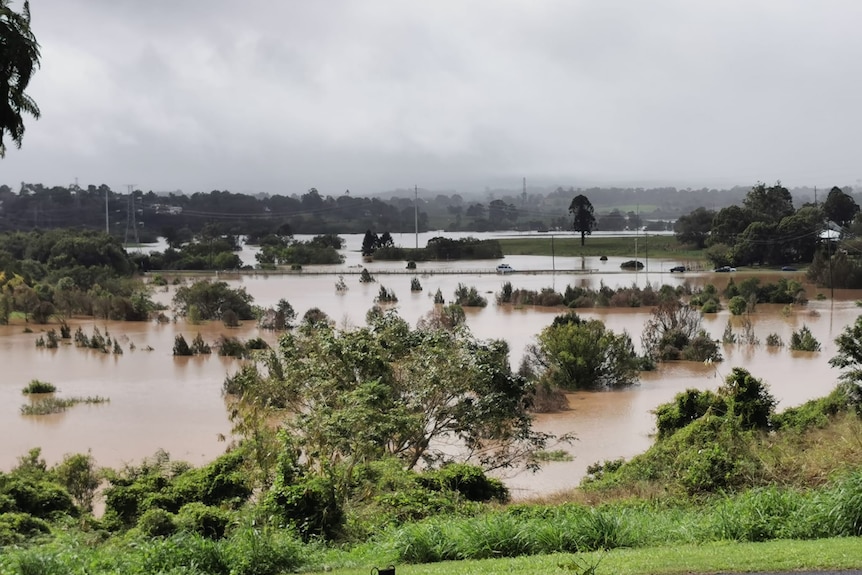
{"x":158,"y":401}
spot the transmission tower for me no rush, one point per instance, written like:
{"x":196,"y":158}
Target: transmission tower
{"x":131,"y":224}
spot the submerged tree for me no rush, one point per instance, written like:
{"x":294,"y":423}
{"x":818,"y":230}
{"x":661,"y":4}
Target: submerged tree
{"x":675,"y":332}
{"x":584,"y":220}
{"x":19,"y":57}
{"x":574,"y":353}
{"x":369,"y":243}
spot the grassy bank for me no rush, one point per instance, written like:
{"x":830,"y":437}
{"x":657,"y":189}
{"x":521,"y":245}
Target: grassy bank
{"x":652,"y":246}
{"x":822,"y":554}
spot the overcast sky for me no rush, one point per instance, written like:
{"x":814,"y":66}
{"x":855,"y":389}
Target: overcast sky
{"x":280,"y":96}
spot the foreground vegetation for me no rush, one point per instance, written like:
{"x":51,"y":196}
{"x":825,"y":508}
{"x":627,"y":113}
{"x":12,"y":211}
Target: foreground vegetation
{"x":634,"y":535}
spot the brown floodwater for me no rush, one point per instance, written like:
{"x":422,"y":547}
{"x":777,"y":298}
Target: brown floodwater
{"x":158,"y":401}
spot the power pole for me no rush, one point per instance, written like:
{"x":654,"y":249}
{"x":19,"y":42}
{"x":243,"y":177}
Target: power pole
{"x":131,"y":223}
{"x":107,"y":221}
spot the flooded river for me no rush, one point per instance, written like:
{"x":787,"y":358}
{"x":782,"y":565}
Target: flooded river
{"x":158,"y":401}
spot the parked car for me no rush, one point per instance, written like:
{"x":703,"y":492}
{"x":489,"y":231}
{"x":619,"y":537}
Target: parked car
{"x":505,"y":269}
{"x":677,"y":269}
{"x":788,"y":269}
{"x":724,"y":269}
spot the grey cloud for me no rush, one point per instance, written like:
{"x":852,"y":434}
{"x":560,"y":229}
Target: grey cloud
{"x":377,"y":94}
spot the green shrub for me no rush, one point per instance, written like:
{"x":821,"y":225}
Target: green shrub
{"x":79,"y":475}
{"x":748,"y":398}
{"x":195,"y":517}
{"x":505,"y":295}
{"x":231,"y":347}
{"x":817,"y":412}
{"x":598,"y":470}
{"x":710,"y":306}
{"x":774,"y":340}
{"x":469,"y":297}
{"x":256,"y":343}
{"x":713,"y":455}
{"x":160,"y":483}
{"x":181,"y":346}
{"x":386,"y":296}
{"x":16,"y":527}
{"x":415,"y":285}
{"x":38,"y":386}
{"x":468,"y":480}
{"x":221,"y":482}
{"x":308,"y":504}
{"x":737,"y":305}
{"x":804,"y":340}
{"x":156,"y":522}
{"x":199,"y":346}
{"x":701,"y":348}
{"x":686,"y":407}
{"x":37,"y":497}
{"x":438,"y":297}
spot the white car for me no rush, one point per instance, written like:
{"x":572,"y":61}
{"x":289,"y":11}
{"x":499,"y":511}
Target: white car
{"x":504,"y":269}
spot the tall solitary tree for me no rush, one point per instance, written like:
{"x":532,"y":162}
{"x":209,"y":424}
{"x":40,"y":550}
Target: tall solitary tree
{"x":584,"y":218}
{"x":840,"y":207}
{"x":19,"y":57}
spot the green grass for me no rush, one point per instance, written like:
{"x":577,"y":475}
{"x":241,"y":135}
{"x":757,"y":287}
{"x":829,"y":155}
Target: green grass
{"x":836,"y":553}
{"x":653,"y":246}
{"x":51,"y":405}
{"x":38,"y":386}
{"x":553,"y":455}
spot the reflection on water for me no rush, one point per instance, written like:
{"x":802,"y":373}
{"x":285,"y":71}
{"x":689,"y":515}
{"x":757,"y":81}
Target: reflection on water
{"x":158,"y":401}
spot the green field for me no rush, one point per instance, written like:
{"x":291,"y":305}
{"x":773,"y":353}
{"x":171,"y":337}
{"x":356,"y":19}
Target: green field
{"x":666,"y":247}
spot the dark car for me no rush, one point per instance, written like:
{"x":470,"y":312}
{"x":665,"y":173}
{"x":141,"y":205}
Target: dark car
{"x":788,"y":269}
{"x":677,"y":269}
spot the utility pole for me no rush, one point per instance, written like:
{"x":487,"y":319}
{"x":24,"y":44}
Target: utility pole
{"x":416,"y":212}
{"x":107,"y":221}
{"x":553,"y":261}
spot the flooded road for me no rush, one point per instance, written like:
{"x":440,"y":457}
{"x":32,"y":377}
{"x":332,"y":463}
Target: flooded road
{"x":158,"y":401}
